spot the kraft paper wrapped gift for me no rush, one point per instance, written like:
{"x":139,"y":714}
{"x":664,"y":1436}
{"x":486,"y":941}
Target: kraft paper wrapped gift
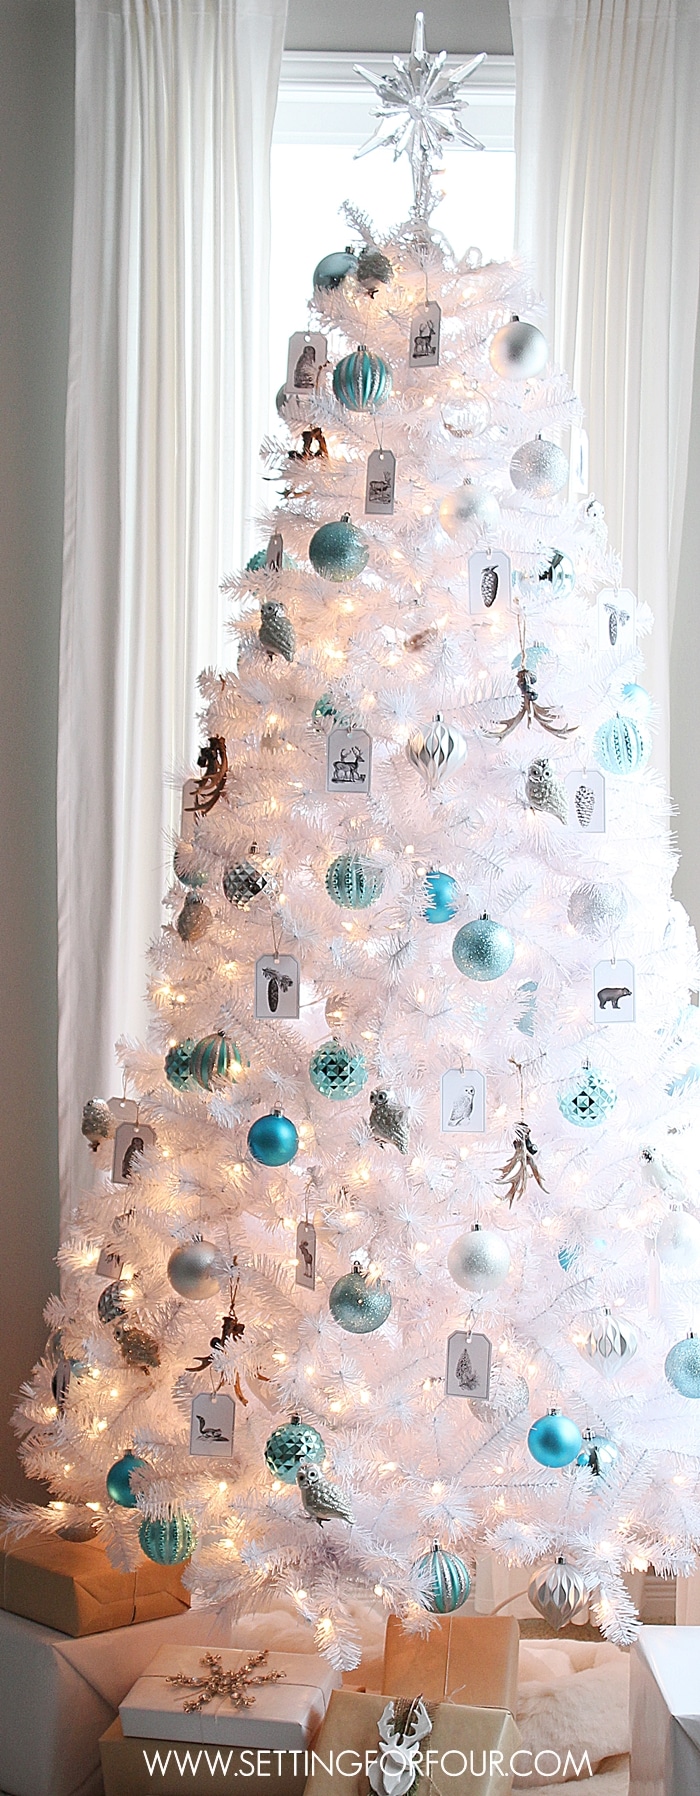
{"x":140,"y":1767}
{"x":71,"y":1587}
{"x":471,"y":1749}
{"x":282,"y":1716}
{"x":464,"y":1659}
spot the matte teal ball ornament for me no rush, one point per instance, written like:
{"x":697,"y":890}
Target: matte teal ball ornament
{"x":554,"y":1440}
{"x":290,"y":1445}
{"x":338,"y":551}
{"x":356,"y":1306}
{"x":215,"y":1057}
{"x":441,"y":892}
{"x":337,"y":1072}
{"x":448,"y":1581}
{"x":333,"y":269}
{"x":682,"y":1366}
{"x":588,"y":1100}
{"x":483,"y":950}
{"x":362,"y":381}
{"x":636,"y":701}
{"x":621,"y":745}
{"x":354,"y":882}
{"x":178,"y":1070}
{"x":118,"y":1479}
{"x":167,"y":1540}
{"x":273,"y":1140}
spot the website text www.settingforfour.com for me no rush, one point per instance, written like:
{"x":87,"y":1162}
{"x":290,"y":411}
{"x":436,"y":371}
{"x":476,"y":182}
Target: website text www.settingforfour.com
{"x":187,"y":1762}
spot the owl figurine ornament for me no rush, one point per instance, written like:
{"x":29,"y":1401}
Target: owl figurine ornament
{"x":388,"y":1121}
{"x":322,"y":1500}
{"x":276,"y":633}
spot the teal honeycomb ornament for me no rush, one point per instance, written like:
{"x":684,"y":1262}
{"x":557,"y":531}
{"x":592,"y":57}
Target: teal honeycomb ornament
{"x":621,"y":745}
{"x":290,"y":1445}
{"x":588,"y":1100}
{"x":333,"y":269}
{"x":338,"y":550}
{"x":682,"y":1366}
{"x":445,"y":1579}
{"x":483,"y":950}
{"x":178,"y":1070}
{"x":215,"y":1057}
{"x":337,"y":1072}
{"x":186,"y":868}
{"x":357,"y":1306}
{"x":362,"y":381}
{"x":169,"y":1539}
{"x":354,"y":882}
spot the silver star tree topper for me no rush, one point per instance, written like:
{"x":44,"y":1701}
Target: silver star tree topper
{"x":420,"y":109}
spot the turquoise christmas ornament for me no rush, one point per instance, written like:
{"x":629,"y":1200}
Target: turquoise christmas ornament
{"x":290,"y":1445}
{"x":333,"y":269}
{"x":186,"y":868}
{"x":554,"y":1440}
{"x":637,"y":701}
{"x":178,"y":1071}
{"x":598,"y":1453}
{"x":215,"y":1057}
{"x":441,"y":892}
{"x":362,"y":381}
{"x":118,"y":1479}
{"x":259,"y":561}
{"x":621,"y":745}
{"x":337,"y":1072}
{"x":326,"y":709}
{"x":534,"y":653}
{"x":559,"y":574}
{"x":168,"y":1540}
{"x":682,"y":1366}
{"x":447,"y":1578}
{"x":588,"y":1100}
{"x":273,"y":1140}
{"x":358,"y":1307}
{"x":568,"y":1255}
{"x":483,"y":950}
{"x":338,"y":551}
{"x":353,"y":882}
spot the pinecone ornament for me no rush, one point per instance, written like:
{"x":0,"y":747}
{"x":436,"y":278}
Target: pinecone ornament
{"x":276,"y":633}
{"x":388,"y":1120}
{"x":321,"y":1499}
{"x":138,"y":1349}
{"x":545,"y":791}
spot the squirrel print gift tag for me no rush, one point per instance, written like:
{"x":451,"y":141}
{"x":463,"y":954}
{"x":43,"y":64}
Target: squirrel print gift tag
{"x":211,"y":1426}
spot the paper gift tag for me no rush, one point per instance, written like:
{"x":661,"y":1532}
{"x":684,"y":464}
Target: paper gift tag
{"x":109,"y":1264}
{"x":211,"y":1426}
{"x":123,"y":1109}
{"x":380,"y":485}
{"x":490,"y":583}
{"x":586,"y":793}
{"x":578,"y":462}
{"x":468,"y":1370}
{"x":349,"y":761}
{"x":613,"y":992}
{"x":306,"y":1256}
{"x":130,"y":1141}
{"x":276,"y":987}
{"x":274,"y":553}
{"x":424,"y":340}
{"x":306,"y":357}
{"x":617,"y":619}
{"x":463,"y":1102}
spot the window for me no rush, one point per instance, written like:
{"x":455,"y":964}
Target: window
{"x":324,"y":113}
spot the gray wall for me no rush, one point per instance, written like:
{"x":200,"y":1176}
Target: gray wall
{"x":36,"y":160}
{"x":388,"y":25}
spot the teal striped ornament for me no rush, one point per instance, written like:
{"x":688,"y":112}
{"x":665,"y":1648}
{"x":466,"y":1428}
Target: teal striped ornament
{"x":353,"y":883}
{"x":169,"y":1540}
{"x":447,"y":1578}
{"x":621,"y":745}
{"x":362,"y":381}
{"x":215,"y":1057}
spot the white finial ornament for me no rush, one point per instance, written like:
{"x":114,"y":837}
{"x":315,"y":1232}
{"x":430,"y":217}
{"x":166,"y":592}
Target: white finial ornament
{"x":420,"y":107}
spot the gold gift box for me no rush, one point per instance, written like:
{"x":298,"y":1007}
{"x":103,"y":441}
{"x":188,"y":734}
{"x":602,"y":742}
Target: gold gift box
{"x":218,"y":1770}
{"x":464,"y":1659}
{"x":71,"y":1586}
{"x":470,"y":1749}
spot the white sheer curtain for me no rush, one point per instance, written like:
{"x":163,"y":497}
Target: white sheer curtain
{"x":167,"y":395}
{"x":608,"y":211}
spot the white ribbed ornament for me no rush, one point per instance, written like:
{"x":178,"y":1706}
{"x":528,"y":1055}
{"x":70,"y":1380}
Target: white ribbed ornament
{"x":610,"y":1345}
{"x":558,"y":1593}
{"x":437,"y":752}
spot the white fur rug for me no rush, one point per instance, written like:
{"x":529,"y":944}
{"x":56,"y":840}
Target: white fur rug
{"x":573,"y":1697}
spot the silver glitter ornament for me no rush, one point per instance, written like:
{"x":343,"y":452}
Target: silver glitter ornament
{"x":321,"y":1499}
{"x":469,"y":513}
{"x":276,"y":632}
{"x":678,"y":1242}
{"x":539,"y":468}
{"x":437,"y":751}
{"x":508,"y":1397}
{"x":545,"y":791}
{"x":388,"y":1120}
{"x":98,"y":1123}
{"x":374,"y":270}
{"x":479,"y":1260}
{"x":558,"y":1593}
{"x":609,"y":1345}
{"x":596,"y":908}
{"x":518,"y":351}
{"x":194,"y":919}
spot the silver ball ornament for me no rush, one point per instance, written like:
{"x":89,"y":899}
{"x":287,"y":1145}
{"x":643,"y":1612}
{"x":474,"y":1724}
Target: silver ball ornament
{"x":518,"y":351}
{"x":469,"y":513}
{"x":678,"y":1242}
{"x":508,"y":1397}
{"x":190,"y":1270}
{"x":479,"y":1260}
{"x":596,"y":908}
{"x":558,"y":1593}
{"x":539,"y":468}
{"x":437,"y":751}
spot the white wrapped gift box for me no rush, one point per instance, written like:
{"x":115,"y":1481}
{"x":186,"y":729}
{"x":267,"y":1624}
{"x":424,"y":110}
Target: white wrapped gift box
{"x":284,"y":1716}
{"x":665,"y":1712}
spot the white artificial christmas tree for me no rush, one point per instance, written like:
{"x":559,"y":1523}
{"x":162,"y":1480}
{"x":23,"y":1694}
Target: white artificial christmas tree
{"x":426,"y":793}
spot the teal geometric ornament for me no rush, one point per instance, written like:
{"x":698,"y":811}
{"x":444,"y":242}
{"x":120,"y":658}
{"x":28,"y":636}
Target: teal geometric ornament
{"x":442,"y":893}
{"x":333,"y":269}
{"x":362,"y":381}
{"x":118,"y":1479}
{"x":338,"y":551}
{"x":621,"y":745}
{"x":637,"y":701}
{"x":259,"y":560}
{"x":337,"y":1072}
{"x":289,"y":1445}
{"x":568,"y":1255}
{"x":177,"y":1065}
{"x":588,"y":1100}
{"x":682,"y":1366}
{"x":353,"y":882}
{"x":483,"y":950}
{"x":169,"y":1540}
{"x":448,"y":1581}
{"x":325,"y":707}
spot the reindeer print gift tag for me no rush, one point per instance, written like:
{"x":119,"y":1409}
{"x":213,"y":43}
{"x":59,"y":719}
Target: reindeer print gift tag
{"x":349,"y":762}
{"x":613,"y":992}
{"x":211,"y":1426}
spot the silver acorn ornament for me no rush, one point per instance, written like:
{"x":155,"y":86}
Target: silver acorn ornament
{"x":545,"y":791}
{"x":437,"y":751}
{"x":609,"y":1345}
{"x":558,"y":1593}
{"x":194,"y":919}
{"x":276,"y":633}
{"x":322,"y":1500}
{"x":388,"y":1120}
{"x":97,"y":1123}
